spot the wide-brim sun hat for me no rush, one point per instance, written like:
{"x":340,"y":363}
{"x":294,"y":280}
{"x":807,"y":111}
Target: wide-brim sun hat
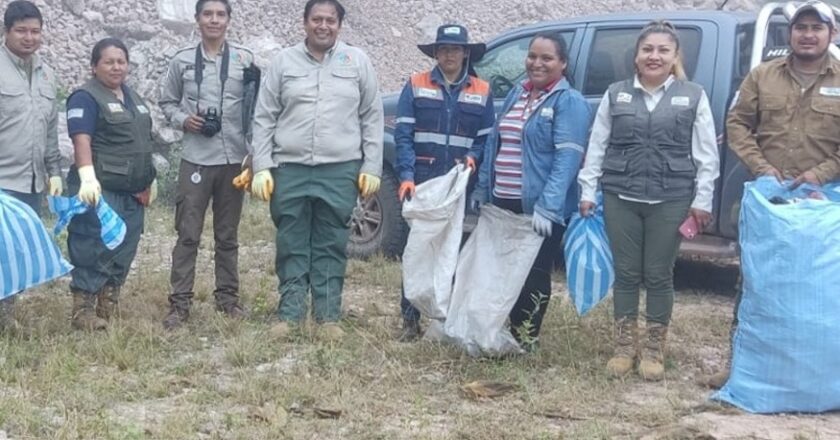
{"x":454,"y":35}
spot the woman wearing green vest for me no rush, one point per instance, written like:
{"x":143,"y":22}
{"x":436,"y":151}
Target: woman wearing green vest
{"x":111,"y":128}
{"x":653,"y":150}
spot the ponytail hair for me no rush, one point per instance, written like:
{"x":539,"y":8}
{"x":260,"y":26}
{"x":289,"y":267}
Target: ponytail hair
{"x":664,"y":27}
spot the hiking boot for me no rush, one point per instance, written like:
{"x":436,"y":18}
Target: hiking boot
{"x":652,"y":364}
{"x":626,"y":347}
{"x":84,"y":313}
{"x":410,"y":331}
{"x":330,"y":332}
{"x":177,"y":317}
{"x":233,"y":311}
{"x":108,"y":303}
{"x":282,"y":330}
{"x":8,"y":323}
{"x":715,"y":381}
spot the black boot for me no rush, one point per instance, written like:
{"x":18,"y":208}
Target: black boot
{"x":410,"y":331}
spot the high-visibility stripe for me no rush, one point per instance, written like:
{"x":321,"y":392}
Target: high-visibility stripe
{"x":570,"y":145}
{"x":405,"y":120}
{"x":484,"y":131}
{"x":440,"y":139}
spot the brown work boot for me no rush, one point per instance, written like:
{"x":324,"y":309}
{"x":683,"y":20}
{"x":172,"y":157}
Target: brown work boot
{"x":108,"y":303}
{"x":84,"y":316}
{"x":8,"y":323}
{"x":626,"y":347}
{"x":233,"y":311}
{"x":282,"y":330}
{"x":177,"y":316}
{"x":652,"y":364}
{"x":715,"y":381}
{"x":330,"y":332}
{"x":410,"y":331}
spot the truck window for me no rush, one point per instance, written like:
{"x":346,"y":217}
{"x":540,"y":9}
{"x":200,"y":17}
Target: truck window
{"x":504,"y":65}
{"x":613,"y":52}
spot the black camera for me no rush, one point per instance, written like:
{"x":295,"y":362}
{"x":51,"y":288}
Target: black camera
{"x":212,"y":122}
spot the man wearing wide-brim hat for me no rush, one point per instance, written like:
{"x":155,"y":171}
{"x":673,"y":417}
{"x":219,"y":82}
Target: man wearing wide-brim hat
{"x":443,"y":118}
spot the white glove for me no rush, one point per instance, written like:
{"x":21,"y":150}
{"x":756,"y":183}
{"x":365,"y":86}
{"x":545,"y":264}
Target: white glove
{"x":56,"y":186}
{"x":541,"y":224}
{"x":90,"y":190}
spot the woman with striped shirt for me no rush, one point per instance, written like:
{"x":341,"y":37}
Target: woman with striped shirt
{"x":530,"y":165}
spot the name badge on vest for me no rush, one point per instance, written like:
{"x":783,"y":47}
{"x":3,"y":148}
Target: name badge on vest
{"x":142,"y":109}
{"x":681,"y":101}
{"x":624,"y":97}
{"x":547,"y":112}
{"x":471,"y":98}
{"x":427,"y":93}
{"x":115,"y":107}
{"x":830,"y":91}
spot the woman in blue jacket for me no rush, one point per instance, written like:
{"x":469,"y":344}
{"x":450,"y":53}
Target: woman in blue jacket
{"x":530,"y":165}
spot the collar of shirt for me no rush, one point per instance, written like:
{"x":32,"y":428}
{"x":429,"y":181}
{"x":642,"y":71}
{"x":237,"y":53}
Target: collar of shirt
{"x":208,"y":57}
{"x":22,"y":64}
{"x":528,"y":86}
{"x":829,"y":63}
{"x":637,"y":84}
{"x":327,"y":55}
{"x":437,"y":77}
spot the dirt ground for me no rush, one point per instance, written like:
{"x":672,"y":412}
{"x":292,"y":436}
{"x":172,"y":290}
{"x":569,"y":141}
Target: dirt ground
{"x":217,"y":379}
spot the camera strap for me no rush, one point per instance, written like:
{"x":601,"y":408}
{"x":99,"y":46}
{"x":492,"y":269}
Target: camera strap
{"x":199,"y":74}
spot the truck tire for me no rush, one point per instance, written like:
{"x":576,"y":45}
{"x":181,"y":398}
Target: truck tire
{"x":377,"y":226}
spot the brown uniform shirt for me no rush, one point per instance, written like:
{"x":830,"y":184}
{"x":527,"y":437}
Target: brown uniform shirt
{"x":775,"y":123}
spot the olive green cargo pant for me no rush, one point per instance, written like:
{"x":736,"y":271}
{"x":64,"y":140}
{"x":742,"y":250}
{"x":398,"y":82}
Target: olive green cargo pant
{"x":644,"y":240}
{"x":311,"y":208}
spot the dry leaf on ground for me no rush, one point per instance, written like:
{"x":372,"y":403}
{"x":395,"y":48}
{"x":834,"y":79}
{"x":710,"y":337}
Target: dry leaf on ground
{"x":482,"y":389}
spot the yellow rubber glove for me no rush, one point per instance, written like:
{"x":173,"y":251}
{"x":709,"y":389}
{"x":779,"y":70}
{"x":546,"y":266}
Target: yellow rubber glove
{"x":56,"y":187}
{"x":368,"y":184}
{"x":90,"y":190}
{"x":153,"y":190}
{"x":263,"y":185}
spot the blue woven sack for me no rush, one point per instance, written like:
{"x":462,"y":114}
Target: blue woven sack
{"x":786,"y":350}
{"x":589,"y":261}
{"x":28,"y":255}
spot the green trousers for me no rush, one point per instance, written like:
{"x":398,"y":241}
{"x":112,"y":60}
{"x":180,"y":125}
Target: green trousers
{"x":96,"y":266}
{"x":644,"y":240}
{"x":311,"y":208}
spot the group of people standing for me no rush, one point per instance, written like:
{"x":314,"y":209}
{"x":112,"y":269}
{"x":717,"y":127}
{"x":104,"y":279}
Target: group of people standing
{"x":316,"y":145}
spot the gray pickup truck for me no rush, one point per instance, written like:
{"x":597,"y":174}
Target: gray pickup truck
{"x":719,"y":48}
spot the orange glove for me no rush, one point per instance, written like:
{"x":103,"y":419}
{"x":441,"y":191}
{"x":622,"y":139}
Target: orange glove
{"x":407,"y":190}
{"x":242,"y":182}
{"x":469,"y":162}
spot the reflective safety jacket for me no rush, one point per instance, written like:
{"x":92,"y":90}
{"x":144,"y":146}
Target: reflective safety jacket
{"x":437,"y":125}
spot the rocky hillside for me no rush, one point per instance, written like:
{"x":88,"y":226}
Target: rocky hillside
{"x":387,"y":29}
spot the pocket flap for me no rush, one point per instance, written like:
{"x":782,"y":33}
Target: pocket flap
{"x":296,"y":73}
{"x":116,"y":167}
{"x":428,"y":103}
{"x":829,"y":106}
{"x":345,"y":73}
{"x":11,"y":91}
{"x":622,"y":110}
{"x":472,"y":109}
{"x":680,"y":164}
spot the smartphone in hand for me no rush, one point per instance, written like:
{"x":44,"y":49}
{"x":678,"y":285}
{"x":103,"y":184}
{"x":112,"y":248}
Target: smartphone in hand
{"x":689,"y":228}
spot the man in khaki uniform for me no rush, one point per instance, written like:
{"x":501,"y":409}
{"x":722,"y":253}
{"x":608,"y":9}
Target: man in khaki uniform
{"x":786,"y":121}
{"x":29,"y":157}
{"x":318,"y":131}
{"x":206,"y":83}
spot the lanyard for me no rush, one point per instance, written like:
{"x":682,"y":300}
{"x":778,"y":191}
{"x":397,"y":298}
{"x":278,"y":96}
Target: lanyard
{"x":199,"y":74}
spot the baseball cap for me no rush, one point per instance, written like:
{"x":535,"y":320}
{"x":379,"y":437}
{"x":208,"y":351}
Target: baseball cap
{"x":823,"y":11}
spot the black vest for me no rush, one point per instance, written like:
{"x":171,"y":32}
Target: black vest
{"x":649,"y":152}
{"x":122,"y":142}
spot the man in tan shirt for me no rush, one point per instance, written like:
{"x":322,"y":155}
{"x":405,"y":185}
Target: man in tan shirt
{"x":29,"y":157}
{"x":786,"y":121}
{"x":318,"y":130}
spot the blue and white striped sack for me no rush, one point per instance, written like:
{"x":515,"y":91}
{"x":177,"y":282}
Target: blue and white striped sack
{"x":589,"y":261}
{"x":113,"y":227}
{"x":28,"y":256}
